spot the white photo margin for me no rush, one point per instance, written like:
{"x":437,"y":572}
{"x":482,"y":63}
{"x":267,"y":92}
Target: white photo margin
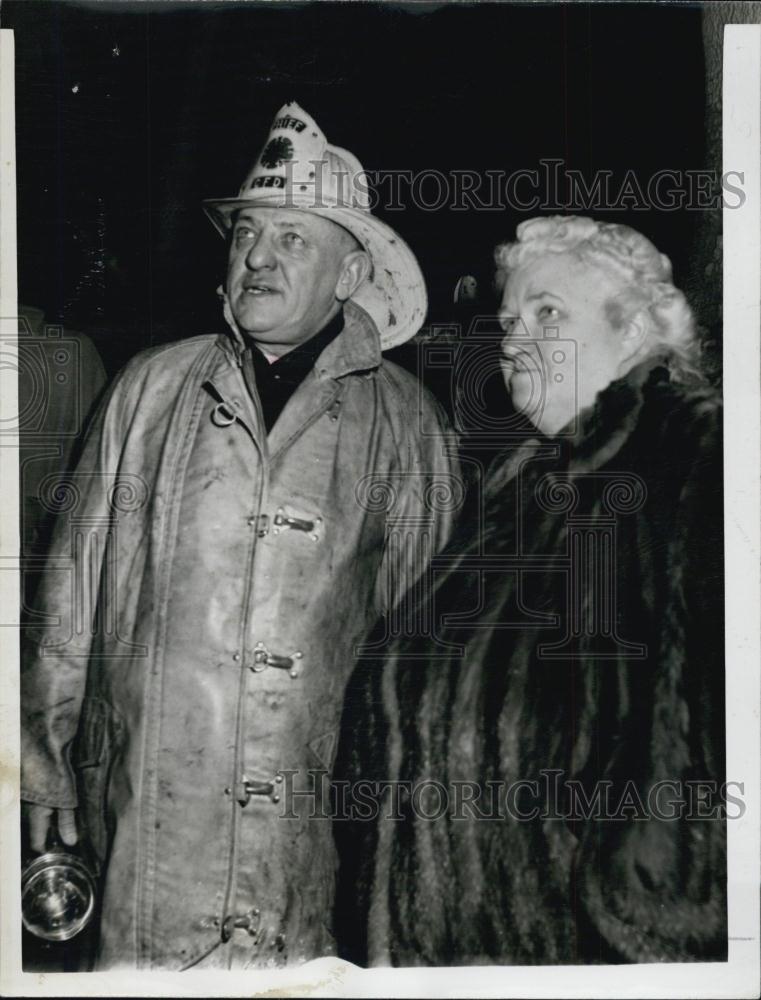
{"x":740,"y":975}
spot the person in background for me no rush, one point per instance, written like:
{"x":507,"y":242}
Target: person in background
{"x":61,"y":378}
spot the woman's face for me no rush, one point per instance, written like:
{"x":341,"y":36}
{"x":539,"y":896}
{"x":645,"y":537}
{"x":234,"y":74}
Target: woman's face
{"x":560,"y":349}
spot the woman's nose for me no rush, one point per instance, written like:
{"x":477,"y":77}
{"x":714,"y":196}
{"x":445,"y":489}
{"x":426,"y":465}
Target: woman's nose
{"x":509,"y":322}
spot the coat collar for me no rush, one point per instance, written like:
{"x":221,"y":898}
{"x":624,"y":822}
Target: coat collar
{"x":600,"y":430}
{"x":356,"y":348}
{"x":605,"y":427}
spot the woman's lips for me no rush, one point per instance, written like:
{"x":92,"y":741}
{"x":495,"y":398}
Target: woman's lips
{"x":516,"y":361}
{"x":521,"y":363}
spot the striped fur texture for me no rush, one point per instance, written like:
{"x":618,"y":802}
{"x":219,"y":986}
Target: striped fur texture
{"x":492,"y":706}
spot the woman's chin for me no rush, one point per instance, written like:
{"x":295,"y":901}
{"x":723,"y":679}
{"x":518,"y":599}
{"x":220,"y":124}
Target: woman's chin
{"x":545,"y":417}
{"x":522,"y":398}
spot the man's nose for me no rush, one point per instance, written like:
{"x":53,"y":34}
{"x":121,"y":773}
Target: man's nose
{"x":261,"y":253}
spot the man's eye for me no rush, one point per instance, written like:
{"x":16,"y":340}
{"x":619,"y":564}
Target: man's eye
{"x":243,"y":233}
{"x":548,"y":312}
{"x":293,"y":240}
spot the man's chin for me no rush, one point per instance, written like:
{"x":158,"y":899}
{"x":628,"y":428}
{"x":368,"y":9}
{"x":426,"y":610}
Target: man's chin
{"x":255,"y":320}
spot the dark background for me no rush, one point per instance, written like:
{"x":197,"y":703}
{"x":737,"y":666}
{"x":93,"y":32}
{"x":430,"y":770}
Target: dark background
{"x":128,"y":115}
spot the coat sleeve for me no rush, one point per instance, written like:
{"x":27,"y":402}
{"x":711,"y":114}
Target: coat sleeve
{"x":656,"y":889}
{"x":428,"y":493}
{"x":61,"y":627}
{"x":424,"y":495}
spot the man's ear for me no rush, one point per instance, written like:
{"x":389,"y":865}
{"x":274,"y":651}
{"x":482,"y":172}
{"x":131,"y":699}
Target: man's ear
{"x":635,"y":334}
{"x":354,"y":270}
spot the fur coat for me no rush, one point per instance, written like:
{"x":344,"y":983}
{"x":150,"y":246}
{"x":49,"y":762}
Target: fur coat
{"x":569,"y":645}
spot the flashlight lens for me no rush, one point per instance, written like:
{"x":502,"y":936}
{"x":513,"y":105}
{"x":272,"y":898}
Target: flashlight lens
{"x":57,"y":897}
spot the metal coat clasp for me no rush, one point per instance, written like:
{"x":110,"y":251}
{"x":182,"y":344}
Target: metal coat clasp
{"x":244,"y":789}
{"x":282,"y":521}
{"x":223,"y":415}
{"x":264,"y":658}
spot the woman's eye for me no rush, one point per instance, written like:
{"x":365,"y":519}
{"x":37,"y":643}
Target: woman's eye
{"x":548,"y":312}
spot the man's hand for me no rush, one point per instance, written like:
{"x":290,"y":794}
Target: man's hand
{"x":41,"y":818}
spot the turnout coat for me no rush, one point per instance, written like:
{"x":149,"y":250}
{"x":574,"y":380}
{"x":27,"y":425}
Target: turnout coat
{"x":204,"y":595}
{"x":576,"y":650}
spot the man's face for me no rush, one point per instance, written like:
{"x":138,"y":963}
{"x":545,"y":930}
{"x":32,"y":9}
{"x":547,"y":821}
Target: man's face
{"x":282,"y":274}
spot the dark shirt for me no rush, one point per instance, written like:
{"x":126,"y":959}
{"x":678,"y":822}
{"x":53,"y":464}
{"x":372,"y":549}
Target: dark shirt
{"x":277,"y":381}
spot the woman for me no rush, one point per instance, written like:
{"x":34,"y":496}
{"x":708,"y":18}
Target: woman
{"x":568,"y":699}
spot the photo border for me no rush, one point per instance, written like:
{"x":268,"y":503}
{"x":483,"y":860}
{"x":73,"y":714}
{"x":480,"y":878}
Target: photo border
{"x":739,"y":976}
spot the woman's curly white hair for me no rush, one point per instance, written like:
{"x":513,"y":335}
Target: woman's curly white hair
{"x":643,"y":272}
